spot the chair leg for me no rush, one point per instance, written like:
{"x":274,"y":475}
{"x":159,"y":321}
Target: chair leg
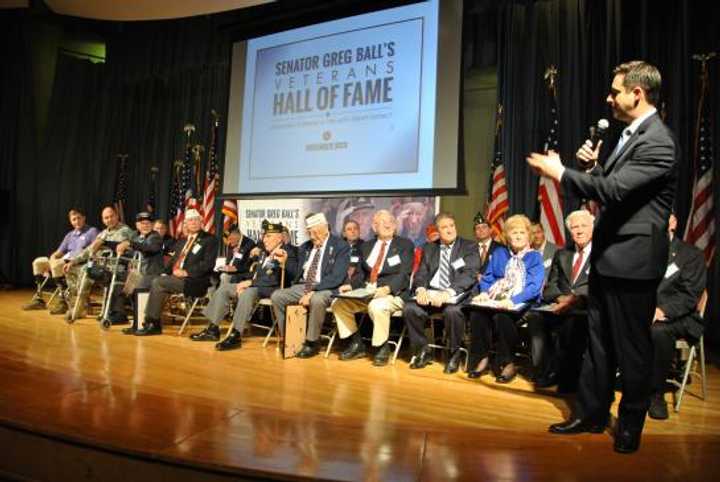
{"x":187,"y":317}
{"x":702,"y":368}
{"x":398,"y":345}
{"x":270,"y":332}
{"x":466,"y":356}
{"x":54,"y":294}
{"x":331,"y":341}
{"x":78,"y":296}
{"x":686,"y":373}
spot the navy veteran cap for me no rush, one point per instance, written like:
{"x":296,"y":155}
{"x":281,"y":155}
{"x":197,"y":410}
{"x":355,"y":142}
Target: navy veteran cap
{"x":269,"y":227}
{"x":479,"y":219}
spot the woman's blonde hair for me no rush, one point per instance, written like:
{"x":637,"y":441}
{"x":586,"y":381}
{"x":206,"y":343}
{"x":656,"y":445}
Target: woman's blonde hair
{"x":515,"y":221}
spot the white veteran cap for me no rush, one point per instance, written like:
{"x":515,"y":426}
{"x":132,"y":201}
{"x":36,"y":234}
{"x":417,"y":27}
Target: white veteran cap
{"x":192,"y":213}
{"x":315,"y":220}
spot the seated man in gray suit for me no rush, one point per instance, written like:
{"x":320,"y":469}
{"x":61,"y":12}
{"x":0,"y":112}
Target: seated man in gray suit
{"x":322,"y":267}
{"x":264,"y":276}
{"x":448,"y":268}
{"x":566,"y":291}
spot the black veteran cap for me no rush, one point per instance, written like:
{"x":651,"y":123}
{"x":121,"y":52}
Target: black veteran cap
{"x":143,"y":216}
{"x":269,"y":227}
{"x":479,"y":219}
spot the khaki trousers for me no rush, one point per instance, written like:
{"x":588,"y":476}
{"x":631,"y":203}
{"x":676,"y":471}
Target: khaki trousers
{"x":379,"y":309}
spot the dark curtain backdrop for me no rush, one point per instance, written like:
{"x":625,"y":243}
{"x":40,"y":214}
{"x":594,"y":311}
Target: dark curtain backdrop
{"x":585,"y":39}
{"x":18,"y":139}
{"x":158,"y":77}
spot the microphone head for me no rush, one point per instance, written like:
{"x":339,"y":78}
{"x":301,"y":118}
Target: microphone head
{"x":602,"y":125}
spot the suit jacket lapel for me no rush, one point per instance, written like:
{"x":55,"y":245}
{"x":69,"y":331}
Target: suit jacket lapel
{"x":566,"y":265}
{"x":613,"y":160}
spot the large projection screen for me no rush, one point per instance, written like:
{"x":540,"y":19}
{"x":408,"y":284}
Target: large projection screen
{"x":368,"y":103}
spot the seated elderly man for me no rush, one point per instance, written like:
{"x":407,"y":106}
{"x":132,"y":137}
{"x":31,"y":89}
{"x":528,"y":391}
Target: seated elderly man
{"x":149,"y":244}
{"x":676,"y":313}
{"x":384,"y":270}
{"x":264,"y":277}
{"x":322,"y":267}
{"x":188,"y":272}
{"x":565,"y":293}
{"x":448,"y":268}
{"x":72,"y":245}
{"x":114,"y":233}
{"x":540,"y":243}
{"x":238,"y":254}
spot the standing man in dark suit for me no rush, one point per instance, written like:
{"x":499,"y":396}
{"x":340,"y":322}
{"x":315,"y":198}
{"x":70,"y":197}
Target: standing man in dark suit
{"x":676,"y":313}
{"x":188,"y":272}
{"x":322,"y":267}
{"x":635,"y":188}
{"x":351,"y":234}
{"x":485,"y":243}
{"x":566,"y":290}
{"x":384,"y":270}
{"x":448,"y":268}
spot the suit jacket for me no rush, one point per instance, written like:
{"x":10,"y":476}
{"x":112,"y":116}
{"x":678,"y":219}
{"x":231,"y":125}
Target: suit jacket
{"x":559,"y":282}
{"x":484,"y":263}
{"x":199,"y":263}
{"x":636,"y":190}
{"x":684,"y":281}
{"x":462,"y":278}
{"x":335,"y":262}
{"x":269,"y":275}
{"x":151,"y":248}
{"x":240,"y":259}
{"x":548,"y":253}
{"x":393,"y":274}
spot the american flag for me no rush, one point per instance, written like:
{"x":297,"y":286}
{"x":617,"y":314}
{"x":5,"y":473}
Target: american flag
{"x":230,"y":214}
{"x":177,"y":201}
{"x":549,"y":193}
{"x":120,"y":198}
{"x":498,"y":201}
{"x":211,"y":181}
{"x":700,"y":227}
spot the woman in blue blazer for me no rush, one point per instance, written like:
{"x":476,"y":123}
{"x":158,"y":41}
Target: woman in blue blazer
{"x":514,"y":276}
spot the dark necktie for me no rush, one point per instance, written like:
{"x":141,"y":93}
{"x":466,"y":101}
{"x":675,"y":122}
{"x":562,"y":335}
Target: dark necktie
{"x":577,"y":265}
{"x":378,"y":263}
{"x":483,"y":253}
{"x":312,"y":271}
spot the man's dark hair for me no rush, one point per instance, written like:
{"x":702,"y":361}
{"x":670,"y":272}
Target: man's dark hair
{"x":79,"y":211}
{"x":641,"y":74}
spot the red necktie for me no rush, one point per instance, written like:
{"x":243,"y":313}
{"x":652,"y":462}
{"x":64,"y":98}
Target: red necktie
{"x":378,"y":263}
{"x":483,"y":253}
{"x":577,"y":265}
{"x":183,"y":254}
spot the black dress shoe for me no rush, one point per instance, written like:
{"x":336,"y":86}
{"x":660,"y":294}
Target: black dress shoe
{"x":576,"y":425}
{"x":355,"y":350}
{"x":477,"y":367}
{"x":130,"y":330}
{"x":309,"y":349}
{"x":151,"y":327}
{"x":210,"y":333}
{"x":422,"y":359}
{"x":382,"y":357}
{"x":453,"y":365}
{"x":627,"y":441}
{"x":546,"y":381}
{"x":231,"y":342}
{"x":658,"y":407}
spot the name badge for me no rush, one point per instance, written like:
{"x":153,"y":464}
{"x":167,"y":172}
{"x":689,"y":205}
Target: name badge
{"x":196,"y":249}
{"x":354,"y":259}
{"x":394,"y":260}
{"x":237,"y":255}
{"x":671,"y":270}
{"x":219,"y":264}
{"x":547,"y":263}
{"x":458,"y":263}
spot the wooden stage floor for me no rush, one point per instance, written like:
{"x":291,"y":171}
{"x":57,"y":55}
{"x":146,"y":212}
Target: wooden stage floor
{"x":249,"y":413}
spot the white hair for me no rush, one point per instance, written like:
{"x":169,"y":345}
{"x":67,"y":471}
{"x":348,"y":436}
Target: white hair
{"x":579,"y":213}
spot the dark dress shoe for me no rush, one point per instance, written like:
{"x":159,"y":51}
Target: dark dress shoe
{"x":355,"y":350}
{"x":231,"y":342}
{"x":453,"y":365}
{"x":382,"y":357}
{"x":210,"y":333}
{"x":422,"y":359}
{"x":658,"y":407}
{"x":130,"y":330}
{"x":546,"y":381}
{"x":151,"y":327}
{"x":309,"y":349}
{"x":117,"y":318}
{"x":477,"y":367}
{"x":576,"y":425}
{"x":627,"y":441}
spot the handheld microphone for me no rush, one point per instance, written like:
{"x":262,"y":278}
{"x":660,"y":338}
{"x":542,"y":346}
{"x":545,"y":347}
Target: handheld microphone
{"x":598,"y":132}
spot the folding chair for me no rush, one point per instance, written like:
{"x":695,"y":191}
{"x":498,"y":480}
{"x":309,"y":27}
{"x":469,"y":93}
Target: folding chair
{"x":187,"y":300}
{"x":683,"y":345}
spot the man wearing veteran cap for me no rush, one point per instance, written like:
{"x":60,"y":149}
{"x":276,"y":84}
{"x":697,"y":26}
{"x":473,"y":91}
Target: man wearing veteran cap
{"x":322,"y":267}
{"x":486,"y":244}
{"x":264,"y":276}
{"x":72,"y":244}
{"x":187,"y":272}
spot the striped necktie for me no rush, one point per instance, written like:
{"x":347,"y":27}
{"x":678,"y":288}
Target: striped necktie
{"x":444,"y":269}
